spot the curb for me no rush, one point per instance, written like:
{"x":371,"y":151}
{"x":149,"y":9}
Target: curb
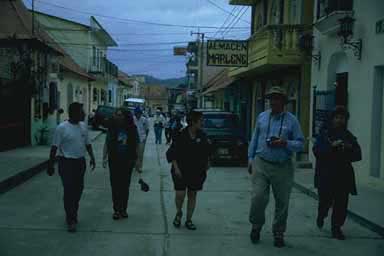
{"x":25,"y":175}
{"x":354,"y":216}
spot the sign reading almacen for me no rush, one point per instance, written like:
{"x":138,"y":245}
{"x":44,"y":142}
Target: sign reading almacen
{"x":227,"y":53}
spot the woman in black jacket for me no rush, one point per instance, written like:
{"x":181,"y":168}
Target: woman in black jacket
{"x":335,"y":149}
{"x":120,"y":152}
{"x":189,"y":154}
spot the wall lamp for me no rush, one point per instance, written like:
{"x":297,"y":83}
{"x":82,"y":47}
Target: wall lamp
{"x":346,"y":33}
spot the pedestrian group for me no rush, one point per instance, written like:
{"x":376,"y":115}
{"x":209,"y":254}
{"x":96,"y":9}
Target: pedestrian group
{"x":277,"y":136}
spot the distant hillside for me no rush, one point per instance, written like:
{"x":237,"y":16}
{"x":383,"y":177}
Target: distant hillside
{"x":171,"y":83}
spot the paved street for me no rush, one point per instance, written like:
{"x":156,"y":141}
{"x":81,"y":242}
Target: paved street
{"x":32,"y":219}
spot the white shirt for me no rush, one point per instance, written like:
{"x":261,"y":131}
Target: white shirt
{"x":142,"y":128}
{"x":71,"y":139}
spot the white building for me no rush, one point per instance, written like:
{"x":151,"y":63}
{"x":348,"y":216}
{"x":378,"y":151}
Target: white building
{"x":357,"y":81}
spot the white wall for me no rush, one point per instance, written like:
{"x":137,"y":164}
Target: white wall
{"x":361,"y":74}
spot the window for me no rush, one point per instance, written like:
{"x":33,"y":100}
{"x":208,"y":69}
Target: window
{"x":102,"y":96}
{"x":53,"y":99}
{"x":94,"y":55}
{"x":296,"y":13}
{"x":95,"y":95}
{"x":110,"y":96}
{"x":265,"y":12}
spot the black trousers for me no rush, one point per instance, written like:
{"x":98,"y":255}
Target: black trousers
{"x":72,"y":176}
{"x":338,"y":200}
{"x":120,"y":173}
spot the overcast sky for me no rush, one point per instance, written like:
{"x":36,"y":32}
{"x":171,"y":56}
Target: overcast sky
{"x":139,"y":51}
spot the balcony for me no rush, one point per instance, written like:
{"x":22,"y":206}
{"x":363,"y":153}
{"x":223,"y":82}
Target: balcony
{"x":243,"y":2}
{"x":104,"y":67}
{"x":271,"y":48}
{"x":329,"y":12}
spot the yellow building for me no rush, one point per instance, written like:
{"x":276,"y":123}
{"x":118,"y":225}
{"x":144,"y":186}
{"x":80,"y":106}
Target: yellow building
{"x":275,"y":57}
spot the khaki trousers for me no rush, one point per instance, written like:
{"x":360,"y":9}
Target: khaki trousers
{"x":280,"y":178}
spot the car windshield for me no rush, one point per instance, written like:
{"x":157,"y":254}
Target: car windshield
{"x":107,"y":110}
{"x":221,"y":121}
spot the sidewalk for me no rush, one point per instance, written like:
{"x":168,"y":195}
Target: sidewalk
{"x":367,"y":208}
{"x":18,"y":165}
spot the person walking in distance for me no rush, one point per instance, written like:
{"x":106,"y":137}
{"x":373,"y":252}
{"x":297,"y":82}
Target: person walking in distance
{"x":143,"y":130}
{"x":120,"y":154}
{"x":335,"y":149}
{"x":159,"y":122}
{"x":277,"y":135}
{"x":189,"y":155}
{"x":71,"y":142}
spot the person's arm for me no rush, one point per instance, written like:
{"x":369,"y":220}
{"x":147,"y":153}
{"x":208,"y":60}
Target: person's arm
{"x":296,"y":142}
{"x":52,"y":154}
{"x":88,"y":144}
{"x":92,"y":156}
{"x":105,"y":152}
{"x":353,"y":150}
{"x":51,"y":161}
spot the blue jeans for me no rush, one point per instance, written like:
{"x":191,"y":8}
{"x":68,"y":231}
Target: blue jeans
{"x":158,"y":134}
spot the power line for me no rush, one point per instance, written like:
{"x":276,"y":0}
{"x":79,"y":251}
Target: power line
{"x":125,"y":20}
{"x":232,"y":21}
{"x":224,"y":10}
{"x":225,"y":21}
{"x":132,"y":44}
{"x":237,"y":21}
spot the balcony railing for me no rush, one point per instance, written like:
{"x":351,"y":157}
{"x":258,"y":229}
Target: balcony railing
{"x":104,"y":67}
{"x":327,"y":7}
{"x":273,"y":45}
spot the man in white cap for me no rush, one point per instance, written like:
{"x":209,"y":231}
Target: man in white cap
{"x":276,"y":137}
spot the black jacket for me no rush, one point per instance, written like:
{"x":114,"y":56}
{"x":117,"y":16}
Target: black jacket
{"x":192,"y":156}
{"x":333,"y":165}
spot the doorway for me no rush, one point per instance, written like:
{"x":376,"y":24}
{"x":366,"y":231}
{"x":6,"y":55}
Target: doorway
{"x":377,"y":138}
{"x":342,"y":89}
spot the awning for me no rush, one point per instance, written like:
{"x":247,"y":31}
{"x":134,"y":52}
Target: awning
{"x":220,"y":81}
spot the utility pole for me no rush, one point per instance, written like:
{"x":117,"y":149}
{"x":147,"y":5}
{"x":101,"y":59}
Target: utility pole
{"x":201,"y":59}
{"x":33,"y":17}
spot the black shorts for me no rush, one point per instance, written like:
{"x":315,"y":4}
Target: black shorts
{"x":192,"y":183}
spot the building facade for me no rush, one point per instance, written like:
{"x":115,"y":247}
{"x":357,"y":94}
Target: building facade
{"x":88,"y":46}
{"x":28,"y":60}
{"x":275,"y":57}
{"x":351,"y":73}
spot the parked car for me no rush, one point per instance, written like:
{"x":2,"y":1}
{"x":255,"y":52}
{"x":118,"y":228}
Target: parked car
{"x":227,"y":138}
{"x":102,"y":114}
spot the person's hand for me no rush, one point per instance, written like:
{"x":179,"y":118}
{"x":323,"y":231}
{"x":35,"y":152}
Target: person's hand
{"x":92,"y":163}
{"x":50,"y":169}
{"x":337,"y":143}
{"x":178,"y":172}
{"x":250,"y":167}
{"x":280,"y":143}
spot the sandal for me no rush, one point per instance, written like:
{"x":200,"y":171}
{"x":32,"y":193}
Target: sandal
{"x":189,"y":225}
{"x":177,"y":219}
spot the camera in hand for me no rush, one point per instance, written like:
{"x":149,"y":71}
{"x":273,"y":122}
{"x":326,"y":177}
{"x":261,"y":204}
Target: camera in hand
{"x":271,"y":139}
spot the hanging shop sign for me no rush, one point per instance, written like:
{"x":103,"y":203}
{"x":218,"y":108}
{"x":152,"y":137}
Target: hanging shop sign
{"x":227,"y":53}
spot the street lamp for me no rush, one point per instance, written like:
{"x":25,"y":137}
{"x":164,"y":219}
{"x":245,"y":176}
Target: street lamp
{"x":346,"y":33}
{"x":306,"y":45}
